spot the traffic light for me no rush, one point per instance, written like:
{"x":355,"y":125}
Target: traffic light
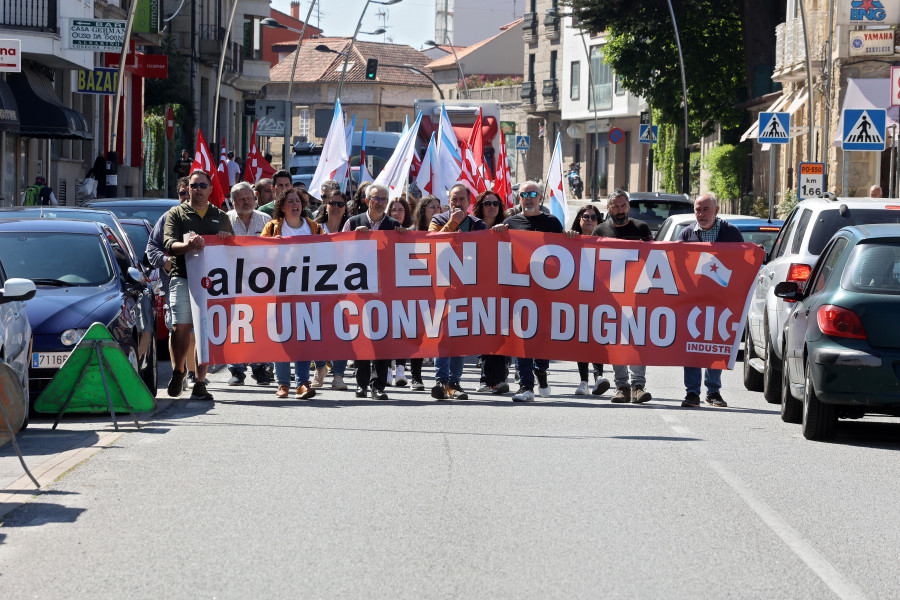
{"x":371,"y":69}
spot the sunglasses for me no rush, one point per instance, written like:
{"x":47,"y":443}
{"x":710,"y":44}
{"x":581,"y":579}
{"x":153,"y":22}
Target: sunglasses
{"x":490,"y":203}
{"x":589,"y":216}
{"x":183,"y":192}
{"x":529,"y":194}
{"x":336,"y":204}
{"x":199,"y":185}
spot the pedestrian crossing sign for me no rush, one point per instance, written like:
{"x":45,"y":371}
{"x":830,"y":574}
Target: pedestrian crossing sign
{"x":774,"y":128}
{"x":646,"y":136}
{"x":864,"y":129}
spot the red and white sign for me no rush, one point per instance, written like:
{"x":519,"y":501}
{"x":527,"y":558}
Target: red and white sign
{"x":10,"y":56}
{"x":414,"y":294}
{"x":170,"y":123}
{"x":151,"y":66}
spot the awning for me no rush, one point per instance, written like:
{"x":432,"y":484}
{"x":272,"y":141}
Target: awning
{"x":41,"y":114}
{"x":9,"y":110}
{"x":867,"y":93}
{"x":775,"y":107}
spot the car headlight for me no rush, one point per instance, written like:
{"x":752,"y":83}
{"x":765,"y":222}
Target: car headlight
{"x":70,"y":337}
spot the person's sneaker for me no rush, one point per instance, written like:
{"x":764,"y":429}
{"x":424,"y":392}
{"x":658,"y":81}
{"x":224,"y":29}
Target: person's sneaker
{"x":378,"y":395}
{"x":715,"y":398}
{"x":622,"y":396}
{"x":439,"y":391}
{"x":175,"y":384}
{"x":400,"y":381}
{"x":601,"y":385}
{"x":304,"y":392}
{"x":191,"y":377}
{"x":458,"y":392}
{"x":484,"y":388}
{"x":282,"y":391}
{"x":236,"y":380}
{"x":199,"y":392}
{"x":337,"y":382}
{"x":639,"y":395}
{"x":524,"y":395}
{"x":361,"y":392}
{"x":417,"y":385}
{"x":500,"y":388}
{"x":319,"y":378}
{"x":543,"y":386}
{"x":261,"y":376}
{"x":691,"y":400}
{"x":582,"y":389}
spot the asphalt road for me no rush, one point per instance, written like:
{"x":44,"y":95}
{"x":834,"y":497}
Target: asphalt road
{"x":570,"y":497}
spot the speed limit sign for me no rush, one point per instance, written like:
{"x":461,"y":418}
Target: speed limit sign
{"x":811,"y":182}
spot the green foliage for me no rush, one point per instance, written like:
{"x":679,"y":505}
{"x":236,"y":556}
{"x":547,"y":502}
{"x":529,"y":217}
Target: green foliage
{"x":754,"y":206}
{"x":154,"y":151}
{"x":723,"y":164}
{"x":174,"y":91}
{"x":667,"y":157}
{"x":481,"y":81}
{"x":641,"y":49}
{"x":787,"y":204}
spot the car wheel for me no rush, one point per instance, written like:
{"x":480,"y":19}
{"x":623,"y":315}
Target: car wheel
{"x":149,"y":374}
{"x":819,"y":419}
{"x":771,"y":377}
{"x":753,"y":379}
{"x":791,"y":408}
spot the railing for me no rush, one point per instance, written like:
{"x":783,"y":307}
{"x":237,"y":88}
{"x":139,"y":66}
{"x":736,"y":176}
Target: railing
{"x":527,"y":93}
{"x":212,"y":32}
{"x":790,"y":50}
{"x":529,"y":24}
{"x":551,"y":23}
{"x":40,"y":15}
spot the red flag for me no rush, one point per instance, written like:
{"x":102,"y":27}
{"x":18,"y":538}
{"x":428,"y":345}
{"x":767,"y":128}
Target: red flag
{"x":203,"y":162}
{"x":257,"y":166}
{"x":502,"y":182}
{"x":476,"y":144}
{"x":222,"y":172}
{"x":469,"y":176}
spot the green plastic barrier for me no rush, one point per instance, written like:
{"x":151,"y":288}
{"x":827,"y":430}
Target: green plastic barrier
{"x":97,"y":377}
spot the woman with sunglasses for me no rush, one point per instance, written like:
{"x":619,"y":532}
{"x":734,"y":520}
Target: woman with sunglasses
{"x":494,"y":372}
{"x":288,"y":221}
{"x":586,"y":219}
{"x":332,"y":220}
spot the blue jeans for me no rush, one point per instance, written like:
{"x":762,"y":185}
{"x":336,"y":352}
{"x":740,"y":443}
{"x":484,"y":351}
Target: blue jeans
{"x":450,"y":369}
{"x":713,"y":380}
{"x":526,"y":367}
{"x":239,"y":369}
{"x":338,"y":367}
{"x":283,"y":372}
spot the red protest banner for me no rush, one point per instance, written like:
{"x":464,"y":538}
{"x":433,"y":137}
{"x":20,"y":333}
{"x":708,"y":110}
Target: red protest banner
{"x":414,"y":294}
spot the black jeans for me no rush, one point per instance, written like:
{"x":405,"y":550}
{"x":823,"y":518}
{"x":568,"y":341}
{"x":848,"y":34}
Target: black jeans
{"x":364,"y":376}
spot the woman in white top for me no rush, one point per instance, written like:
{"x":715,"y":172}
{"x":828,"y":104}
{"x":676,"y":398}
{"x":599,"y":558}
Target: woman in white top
{"x":288,"y":221}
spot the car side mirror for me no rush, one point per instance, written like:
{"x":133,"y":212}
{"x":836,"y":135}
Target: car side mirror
{"x":17,"y":290}
{"x":788,"y":290}
{"x":135,"y":276}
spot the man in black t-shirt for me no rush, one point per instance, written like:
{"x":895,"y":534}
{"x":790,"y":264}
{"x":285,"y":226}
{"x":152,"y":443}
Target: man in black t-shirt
{"x":620,"y":226}
{"x":532,"y":219}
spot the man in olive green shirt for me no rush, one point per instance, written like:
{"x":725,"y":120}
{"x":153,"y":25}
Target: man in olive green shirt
{"x":185,"y":224}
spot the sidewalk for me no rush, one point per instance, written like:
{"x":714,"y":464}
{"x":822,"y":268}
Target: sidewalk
{"x":50,"y":453}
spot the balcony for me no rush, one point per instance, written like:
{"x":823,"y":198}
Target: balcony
{"x":527,"y":93}
{"x":550,"y":92}
{"x":34,"y":15}
{"x":529,"y":26}
{"x":551,"y":24}
{"x":790,"y":51}
{"x":211,"y":38}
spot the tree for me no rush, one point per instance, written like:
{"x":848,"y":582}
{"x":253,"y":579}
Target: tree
{"x":641,"y":49}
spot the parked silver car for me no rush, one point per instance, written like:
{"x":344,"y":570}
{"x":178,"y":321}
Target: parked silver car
{"x":15,"y":329}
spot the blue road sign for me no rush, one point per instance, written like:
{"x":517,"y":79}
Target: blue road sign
{"x":774,"y":128}
{"x":864,"y":129}
{"x":523,"y":142}
{"x":646,"y":137}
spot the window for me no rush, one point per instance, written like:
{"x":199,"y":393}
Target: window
{"x":303,"y":124}
{"x":575,"y":81}
{"x":826,"y":265}
{"x":601,"y":92}
{"x":531,"y":68}
{"x":553,"y":64}
{"x":620,"y":90}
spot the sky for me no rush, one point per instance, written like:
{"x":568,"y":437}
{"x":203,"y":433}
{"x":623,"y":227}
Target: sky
{"x":409,"y":22}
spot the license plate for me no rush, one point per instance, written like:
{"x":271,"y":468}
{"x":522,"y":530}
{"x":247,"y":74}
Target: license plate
{"x":48,"y":360}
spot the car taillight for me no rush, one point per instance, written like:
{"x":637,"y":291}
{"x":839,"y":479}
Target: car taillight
{"x":798,"y":272}
{"x":767,"y":228}
{"x":838,"y":321}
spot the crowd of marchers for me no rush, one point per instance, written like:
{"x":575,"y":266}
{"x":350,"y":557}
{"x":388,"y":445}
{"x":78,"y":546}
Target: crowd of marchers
{"x":276,"y":208}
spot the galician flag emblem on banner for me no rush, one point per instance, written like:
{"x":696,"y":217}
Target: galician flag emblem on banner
{"x":713,"y":268}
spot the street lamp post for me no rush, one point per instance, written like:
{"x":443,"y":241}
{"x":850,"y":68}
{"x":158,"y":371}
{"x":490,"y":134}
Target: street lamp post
{"x":458,"y":65}
{"x":596,"y":149}
{"x":353,"y":39}
{"x":324,"y":48}
{"x":219,"y":82}
{"x":289,"y":126}
{"x":686,"y":156}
